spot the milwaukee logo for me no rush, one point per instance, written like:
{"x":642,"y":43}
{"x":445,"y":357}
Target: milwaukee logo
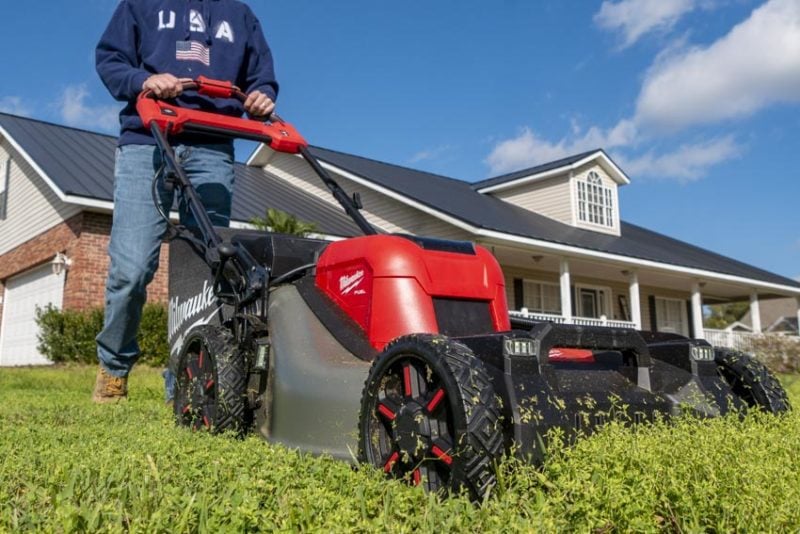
{"x":182,"y":311}
{"x":348,"y":283}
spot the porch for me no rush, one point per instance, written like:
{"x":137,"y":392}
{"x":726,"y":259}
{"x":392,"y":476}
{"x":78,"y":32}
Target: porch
{"x":731,"y":339}
{"x":572,"y":290}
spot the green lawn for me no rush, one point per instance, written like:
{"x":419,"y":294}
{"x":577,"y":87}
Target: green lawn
{"x":67,"y":465}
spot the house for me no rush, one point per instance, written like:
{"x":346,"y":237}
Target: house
{"x":555,"y":229}
{"x":777,"y":316}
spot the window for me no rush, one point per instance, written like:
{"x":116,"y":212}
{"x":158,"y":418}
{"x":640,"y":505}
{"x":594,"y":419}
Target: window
{"x":671,"y":316}
{"x":5,"y":173}
{"x":592,"y":301}
{"x":541,"y":297}
{"x":595,"y":201}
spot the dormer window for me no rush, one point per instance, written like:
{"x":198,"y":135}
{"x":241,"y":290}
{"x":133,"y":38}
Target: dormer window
{"x":595,"y":201}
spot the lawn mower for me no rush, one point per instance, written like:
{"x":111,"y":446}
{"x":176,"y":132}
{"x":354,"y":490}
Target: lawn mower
{"x":398,"y":351}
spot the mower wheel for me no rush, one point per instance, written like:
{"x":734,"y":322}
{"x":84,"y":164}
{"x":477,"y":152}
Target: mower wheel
{"x":751,"y":381}
{"x":212,"y":377}
{"x":429,"y":415}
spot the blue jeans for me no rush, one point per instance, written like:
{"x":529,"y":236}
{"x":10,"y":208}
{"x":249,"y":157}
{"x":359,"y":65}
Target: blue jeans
{"x":137,"y":232}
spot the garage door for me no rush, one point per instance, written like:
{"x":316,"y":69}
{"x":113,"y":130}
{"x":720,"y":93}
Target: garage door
{"x":37,"y":287}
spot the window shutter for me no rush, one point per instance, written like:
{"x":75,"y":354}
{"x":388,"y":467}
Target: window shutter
{"x":518,"y":295}
{"x":573,"y":297}
{"x":690,"y":318}
{"x":651,"y":302}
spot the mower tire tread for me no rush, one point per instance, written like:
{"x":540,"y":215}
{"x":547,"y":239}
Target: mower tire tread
{"x":752,"y":381}
{"x":230,"y":369}
{"x":481,"y":443}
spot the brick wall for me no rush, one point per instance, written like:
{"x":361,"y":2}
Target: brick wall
{"x":84,"y":239}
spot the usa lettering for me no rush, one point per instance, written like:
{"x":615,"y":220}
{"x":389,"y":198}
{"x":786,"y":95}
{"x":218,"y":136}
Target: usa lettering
{"x":166,"y":25}
{"x":196,"y":22}
{"x":224,"y":32}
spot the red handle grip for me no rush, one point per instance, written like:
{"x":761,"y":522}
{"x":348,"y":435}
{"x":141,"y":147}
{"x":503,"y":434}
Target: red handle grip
{"x":218,"y":88}
{"x":173,"y":120}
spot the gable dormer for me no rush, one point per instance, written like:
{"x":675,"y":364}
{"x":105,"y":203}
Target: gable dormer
{"x":580,"y":191}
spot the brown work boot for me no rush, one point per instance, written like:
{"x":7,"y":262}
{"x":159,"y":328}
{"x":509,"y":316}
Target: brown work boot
{"x":109,"y":388}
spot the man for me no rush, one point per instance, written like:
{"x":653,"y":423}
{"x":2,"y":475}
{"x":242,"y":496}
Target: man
{"x":154,"y":44}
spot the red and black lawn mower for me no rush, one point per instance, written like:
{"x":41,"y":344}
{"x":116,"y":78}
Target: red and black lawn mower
{"x":399,"y":349}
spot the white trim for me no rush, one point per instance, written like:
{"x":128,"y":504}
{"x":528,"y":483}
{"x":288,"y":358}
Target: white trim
{"x":566,"y":290}
{"x":33,"y":164}
{"x":557,"y":248}
{"x":261,"y":146}
{"x":557,"y":286}
{"x":629,"y":261}
{"x":615,"y":173}
{"x":635,"y":304}
{"x":573,"y":199}
{"x":697,"y":311}
{"x":607,"y":304}
{"x":798,"y":315}
{"x":683,"y":312}
{"x":492,"y":234}
{"x":755,"y":313}
{"x":69,"y":199}
{"x":239,"y":225}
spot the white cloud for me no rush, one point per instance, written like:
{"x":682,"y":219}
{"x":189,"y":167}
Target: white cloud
{"x":430,"y":154}
{"x":15,"y":106}
{"x":635,"y":18}
{"x":687,"y":163}
{"x":528,"y":149}
{"x":75,"y":112}
{"x":755,"y":65}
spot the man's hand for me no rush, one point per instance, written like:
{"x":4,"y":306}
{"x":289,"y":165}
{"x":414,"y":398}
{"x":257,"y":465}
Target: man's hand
{"x":164,"y":85}
{"x":257,"y":104}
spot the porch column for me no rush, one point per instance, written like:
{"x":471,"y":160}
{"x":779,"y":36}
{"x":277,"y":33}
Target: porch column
{"x":566,"y":292}
{"x":755,"y":313}
{"x":636,"y":305}
{"x":798,"y":316}
{"x":697,"y":311}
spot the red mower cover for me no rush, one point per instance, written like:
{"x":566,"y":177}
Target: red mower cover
{"x":173,"y":120}
{"x":389,"y":285}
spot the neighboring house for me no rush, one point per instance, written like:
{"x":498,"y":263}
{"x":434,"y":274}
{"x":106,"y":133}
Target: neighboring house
{"x":776,"y":316}
{"x":555,"y":229}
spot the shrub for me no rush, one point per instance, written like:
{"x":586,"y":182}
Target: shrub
{"x":69,"y":336}
{"x":780,"y":353}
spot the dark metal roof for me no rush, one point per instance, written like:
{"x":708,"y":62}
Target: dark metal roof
{"x":534,"y":170}
{"x":81,"y":164}
{"x":459,"y":200}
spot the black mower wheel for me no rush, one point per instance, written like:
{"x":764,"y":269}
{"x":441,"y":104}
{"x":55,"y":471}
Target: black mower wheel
{"x":211,"y":382}
{"x":751,"y":381}
{"x":429,"y":415}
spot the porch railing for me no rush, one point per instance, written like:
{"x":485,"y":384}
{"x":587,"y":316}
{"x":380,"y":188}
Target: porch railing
{"x":737,"y":340}
{"x":584,"y":321}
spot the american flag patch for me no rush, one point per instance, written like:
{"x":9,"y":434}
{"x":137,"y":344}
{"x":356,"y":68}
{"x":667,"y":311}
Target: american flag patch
{"x":193,"y":51}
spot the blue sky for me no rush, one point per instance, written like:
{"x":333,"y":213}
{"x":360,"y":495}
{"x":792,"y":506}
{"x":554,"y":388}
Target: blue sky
{"x":696,"y":100}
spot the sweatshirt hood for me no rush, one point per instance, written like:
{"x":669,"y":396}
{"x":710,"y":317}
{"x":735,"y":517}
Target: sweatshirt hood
{"x":204,"y":8}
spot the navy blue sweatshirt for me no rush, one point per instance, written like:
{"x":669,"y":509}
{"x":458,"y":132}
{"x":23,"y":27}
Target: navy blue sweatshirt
{"x":219,"y":39}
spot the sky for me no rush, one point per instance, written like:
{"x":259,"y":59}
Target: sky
{"x":698,"y":101}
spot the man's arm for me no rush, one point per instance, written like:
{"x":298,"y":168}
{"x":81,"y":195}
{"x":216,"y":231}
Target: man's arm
{"x":116,"y":56}
{"x":259,"y":72}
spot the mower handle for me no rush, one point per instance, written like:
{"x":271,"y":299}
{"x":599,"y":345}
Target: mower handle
{"x":166,"y":119}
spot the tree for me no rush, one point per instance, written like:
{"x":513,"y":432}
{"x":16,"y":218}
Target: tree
{"x":723,"y":315}
{"x":281,"y":222}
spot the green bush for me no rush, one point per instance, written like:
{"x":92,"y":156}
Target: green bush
{"x":780,"y":353}
{"x":67,"y":336}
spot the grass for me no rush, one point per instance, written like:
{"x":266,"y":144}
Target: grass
{"x":67,"y":465}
